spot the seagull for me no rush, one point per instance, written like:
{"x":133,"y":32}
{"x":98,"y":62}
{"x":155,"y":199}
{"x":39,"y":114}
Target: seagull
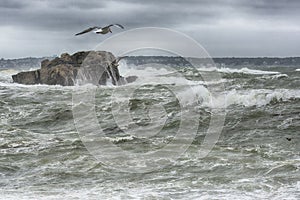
{"x":99,"y":30}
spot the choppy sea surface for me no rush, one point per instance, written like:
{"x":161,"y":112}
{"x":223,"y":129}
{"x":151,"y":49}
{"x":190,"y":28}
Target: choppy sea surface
{"x":257,"y":155}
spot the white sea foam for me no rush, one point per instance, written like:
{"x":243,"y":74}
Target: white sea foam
{"x":260,"y":97}
{"x":257,"y":189}
{"x":297,"y":70}
{"x":120,"y":139}
{"x":36,"y":87}
{"x":244,"y":70}
{"x":276,"y":76}
{"x":194,"y":95}
{"x":251,"y":97}
{"x":6,"y":74}
{"x":159,"y":74}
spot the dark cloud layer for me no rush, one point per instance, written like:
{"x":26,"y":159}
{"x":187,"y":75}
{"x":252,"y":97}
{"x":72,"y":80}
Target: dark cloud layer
{"x":224,"y":27}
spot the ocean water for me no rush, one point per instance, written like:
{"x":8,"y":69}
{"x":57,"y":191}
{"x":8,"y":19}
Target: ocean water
{"x":46,"y":154}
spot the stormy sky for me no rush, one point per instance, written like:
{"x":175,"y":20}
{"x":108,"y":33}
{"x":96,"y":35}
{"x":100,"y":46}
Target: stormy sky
{"x":223,"y":27}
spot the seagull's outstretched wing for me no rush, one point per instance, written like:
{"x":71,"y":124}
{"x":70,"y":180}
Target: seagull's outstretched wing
{"x":87,"y":30}
{"x":116,"y":25}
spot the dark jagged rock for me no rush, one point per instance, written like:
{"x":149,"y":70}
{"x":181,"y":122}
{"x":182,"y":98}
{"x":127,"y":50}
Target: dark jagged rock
{"x":94,"y":67}
{"x":28,"y":78}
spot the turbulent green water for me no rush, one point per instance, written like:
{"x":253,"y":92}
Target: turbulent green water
{"x":44,"y":156}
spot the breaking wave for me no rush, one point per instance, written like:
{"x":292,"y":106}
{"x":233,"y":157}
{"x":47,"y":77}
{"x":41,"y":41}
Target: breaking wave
{"x":251,"y":97}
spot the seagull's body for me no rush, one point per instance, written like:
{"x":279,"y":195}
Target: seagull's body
{"x":100,"y":30}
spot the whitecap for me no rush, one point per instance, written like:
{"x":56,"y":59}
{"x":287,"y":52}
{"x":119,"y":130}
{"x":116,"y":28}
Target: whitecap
{"x":244,"y":70}
{"x":251,"y":97}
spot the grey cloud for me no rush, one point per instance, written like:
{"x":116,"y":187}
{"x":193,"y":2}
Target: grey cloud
{"x":12,"y":4}
{"x":273,"y":8}
{"x":70,"y":14}
{"x":82,"y":5}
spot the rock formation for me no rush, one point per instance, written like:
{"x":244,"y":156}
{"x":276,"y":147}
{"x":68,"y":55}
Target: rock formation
{"x":83,"y":67}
